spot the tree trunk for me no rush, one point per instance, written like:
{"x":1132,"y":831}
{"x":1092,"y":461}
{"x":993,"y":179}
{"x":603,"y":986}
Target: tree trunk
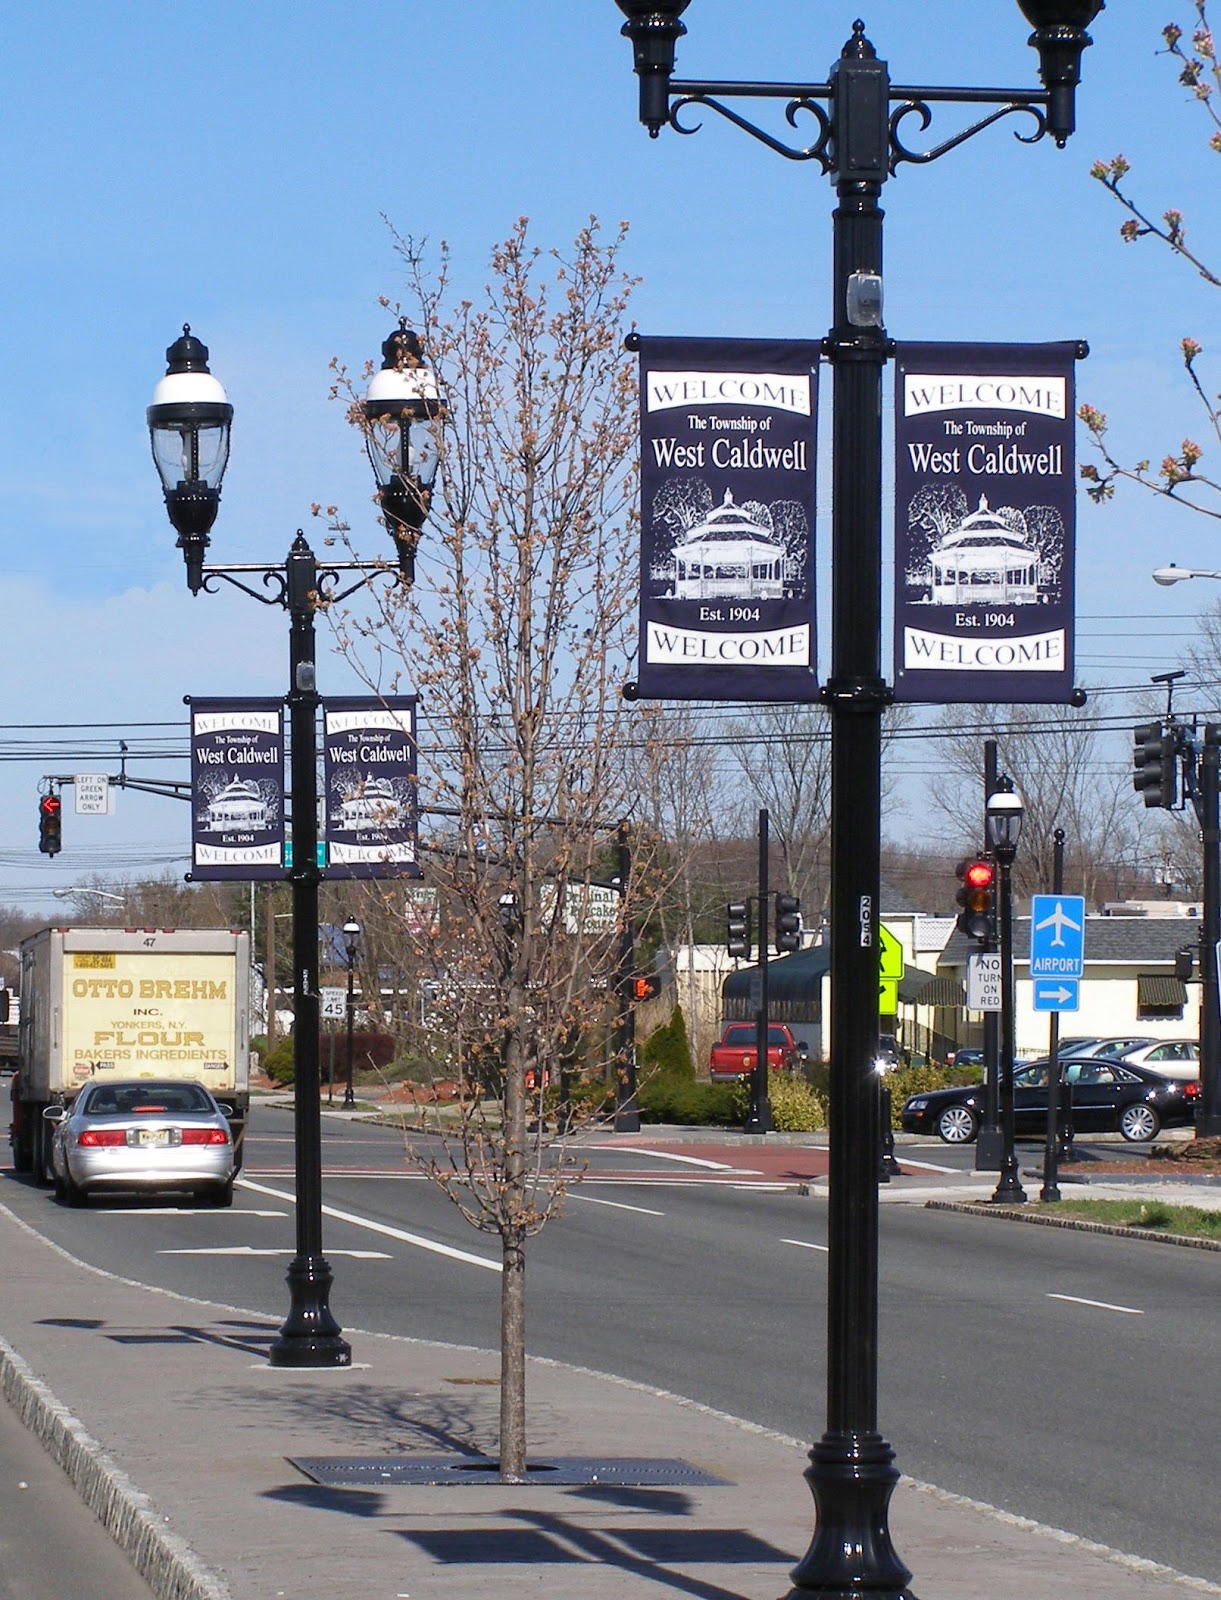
{"x":513,"y":1360}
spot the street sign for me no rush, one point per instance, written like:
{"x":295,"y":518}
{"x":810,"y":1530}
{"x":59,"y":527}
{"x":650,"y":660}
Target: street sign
{"x":92,"y":795}
{"x":334,"y":1003}
{"x":890,"y":954}
{"x":1057,"y":936}
{"x":984,"y":981}
{"x":1056,"y":994}
{"x":888,"y":997}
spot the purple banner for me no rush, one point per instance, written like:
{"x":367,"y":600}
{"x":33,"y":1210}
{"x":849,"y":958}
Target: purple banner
{"x":985,"y":526}
{"x":369,"y":772}
{"x":727,"y":519}
{"x":237,"y":789}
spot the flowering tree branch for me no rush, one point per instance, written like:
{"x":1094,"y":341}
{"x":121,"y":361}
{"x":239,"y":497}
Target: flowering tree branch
{"x":1178,"y":476}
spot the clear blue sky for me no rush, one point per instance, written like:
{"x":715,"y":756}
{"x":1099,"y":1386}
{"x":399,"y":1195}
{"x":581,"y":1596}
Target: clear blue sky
{"x":230,"y":166}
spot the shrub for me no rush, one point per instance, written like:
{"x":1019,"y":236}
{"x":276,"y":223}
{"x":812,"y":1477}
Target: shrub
{"x":668,"y":1098}
{"x":667,"y":1051}
{"x":278,"y":1063}
{"x":797,"y":1107}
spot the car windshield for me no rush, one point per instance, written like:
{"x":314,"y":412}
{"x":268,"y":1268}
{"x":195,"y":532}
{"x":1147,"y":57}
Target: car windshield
{"x":148,"y":1100}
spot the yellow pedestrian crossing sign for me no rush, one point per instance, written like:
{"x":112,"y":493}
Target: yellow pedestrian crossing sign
{"x":890,"y":954}
{"x":890,"y":969}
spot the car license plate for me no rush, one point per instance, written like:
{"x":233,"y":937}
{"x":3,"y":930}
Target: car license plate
{"x":146,"y":1136}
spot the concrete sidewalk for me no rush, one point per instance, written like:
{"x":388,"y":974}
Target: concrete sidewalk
{"x":165,"y":1413}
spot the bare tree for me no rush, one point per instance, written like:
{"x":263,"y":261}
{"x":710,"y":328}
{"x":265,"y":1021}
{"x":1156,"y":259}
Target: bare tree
{"x":1057,"y":764}
{"x":518,"y":635}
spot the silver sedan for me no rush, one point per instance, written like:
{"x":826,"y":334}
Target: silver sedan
{"x":142,"y":1134}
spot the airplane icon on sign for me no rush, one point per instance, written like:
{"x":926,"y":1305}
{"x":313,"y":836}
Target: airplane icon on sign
{"x":1058,"y":920}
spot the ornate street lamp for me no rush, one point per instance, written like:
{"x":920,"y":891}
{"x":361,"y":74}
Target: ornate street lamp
{"x":403,"y":410}
{"x":351,"y":944}
{"x":189,"y":424}
{"x":859,"y":143}
{"x":1003,"y":817}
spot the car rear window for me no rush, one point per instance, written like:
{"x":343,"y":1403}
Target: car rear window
{"x":148,"y":1100}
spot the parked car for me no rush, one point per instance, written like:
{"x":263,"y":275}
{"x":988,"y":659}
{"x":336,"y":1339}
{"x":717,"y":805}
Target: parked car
{"x":1107,"y":1096}
{"x":141,"y":1134}
{"x":968,"y":1056}
{"x":1115,"y":1046}
{"x":733,"y":1057}
{"x":1173,"y":1058}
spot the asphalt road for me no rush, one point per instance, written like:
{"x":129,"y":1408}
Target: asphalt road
{"x":1063,"y":1376}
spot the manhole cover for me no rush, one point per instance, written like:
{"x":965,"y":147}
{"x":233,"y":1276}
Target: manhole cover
{"x":352,"y":1472}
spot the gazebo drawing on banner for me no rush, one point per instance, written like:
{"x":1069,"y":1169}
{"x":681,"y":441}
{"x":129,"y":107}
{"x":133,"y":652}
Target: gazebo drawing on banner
{"x":729,"y":556}
{"x":374,"y":805}
{"x":984,"y":561}
{"x":238,"y":805}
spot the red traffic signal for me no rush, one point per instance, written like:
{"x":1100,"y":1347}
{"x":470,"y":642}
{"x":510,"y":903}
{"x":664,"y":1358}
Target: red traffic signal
{"x":977,"y":897}
{"x":50,"y":824}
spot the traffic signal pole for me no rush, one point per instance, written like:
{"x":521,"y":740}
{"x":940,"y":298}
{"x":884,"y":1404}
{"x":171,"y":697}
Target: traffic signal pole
{"x":759,"y":1116}
{"x":1208,"y":1117}
{"x":988,"y":1140}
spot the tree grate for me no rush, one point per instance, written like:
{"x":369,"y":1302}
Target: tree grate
{"x":349,"y":1472}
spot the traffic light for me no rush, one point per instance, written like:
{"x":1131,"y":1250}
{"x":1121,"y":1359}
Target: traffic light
{"x":977,"y":897}
{"x":788,"y":922}
{"x":646,"y":986}
{"x":738,"y":929}
{"x":1155,"y":764}
{"x":50,"y":824}
{"x":1185,"y":964}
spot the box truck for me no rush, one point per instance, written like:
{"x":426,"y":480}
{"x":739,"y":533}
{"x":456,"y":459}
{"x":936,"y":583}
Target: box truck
{"x":130,"y":1003}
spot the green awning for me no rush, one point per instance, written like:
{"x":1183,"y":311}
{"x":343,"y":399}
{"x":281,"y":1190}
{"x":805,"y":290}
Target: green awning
{"x":1156,"y":989}
{"x":917,"y":988}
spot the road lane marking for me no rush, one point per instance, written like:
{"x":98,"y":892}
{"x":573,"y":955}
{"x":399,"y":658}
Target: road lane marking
{"x":804,"y":1244}
{"x":1100,"y":1305}
{"x":380,"y":1227}
{"x":926,"y":1166}
{"x":667,"y":1155}
{"x":617,"y":1205}
{"x":250,"y":1250}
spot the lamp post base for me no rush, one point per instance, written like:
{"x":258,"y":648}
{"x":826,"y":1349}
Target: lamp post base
{"x":988,"y":1150}
{"x":1009,"y":1190}
{"x":852,"y":1477}
{"x":310,"y":1336}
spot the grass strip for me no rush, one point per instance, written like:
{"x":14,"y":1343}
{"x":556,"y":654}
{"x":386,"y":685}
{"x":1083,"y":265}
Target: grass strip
{"x":1154,"y":1216}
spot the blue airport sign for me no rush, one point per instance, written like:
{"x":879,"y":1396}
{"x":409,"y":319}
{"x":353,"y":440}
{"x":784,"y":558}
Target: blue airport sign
{"x":1057,"y":936}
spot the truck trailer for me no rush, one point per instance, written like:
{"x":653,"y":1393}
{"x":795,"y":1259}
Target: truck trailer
{"x":128,"y":1003}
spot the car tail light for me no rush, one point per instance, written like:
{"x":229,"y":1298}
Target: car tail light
{"x":205,"y":1136}
{"x":1191,"y":1090}
{"x":98,"y":1136}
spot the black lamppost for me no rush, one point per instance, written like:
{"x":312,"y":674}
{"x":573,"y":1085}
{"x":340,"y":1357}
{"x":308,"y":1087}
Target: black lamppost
{"x":351,"y":944}
{"x":859,"y":142}
{"x":189,"y":422}
{"x":1003,"y":816}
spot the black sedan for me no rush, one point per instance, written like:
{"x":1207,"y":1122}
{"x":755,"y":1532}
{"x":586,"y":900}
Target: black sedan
{"x":1107,"y":1097}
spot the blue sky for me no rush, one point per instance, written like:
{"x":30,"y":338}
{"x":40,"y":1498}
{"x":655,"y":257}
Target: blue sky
{"x":231,"y":168}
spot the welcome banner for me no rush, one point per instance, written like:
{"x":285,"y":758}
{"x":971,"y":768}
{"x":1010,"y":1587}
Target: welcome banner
{"x":237,"y":789}
{"x":369,"y":775}
{"x":727,"y":519}
{"x":985,"y":535}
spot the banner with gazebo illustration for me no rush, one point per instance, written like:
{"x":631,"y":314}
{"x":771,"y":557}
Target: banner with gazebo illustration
{"x":985,"y":527}
{"x":237,"y":789}
{"x":727,"y":519}
{"x":369,"y":778}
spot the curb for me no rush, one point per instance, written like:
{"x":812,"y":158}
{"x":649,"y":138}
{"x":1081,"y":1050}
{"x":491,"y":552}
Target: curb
{"x":1041,"y":1220}
{"x":166,"y":1563}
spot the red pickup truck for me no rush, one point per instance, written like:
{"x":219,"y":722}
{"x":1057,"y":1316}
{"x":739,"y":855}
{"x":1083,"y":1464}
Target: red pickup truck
{"x":734,"y":1056}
